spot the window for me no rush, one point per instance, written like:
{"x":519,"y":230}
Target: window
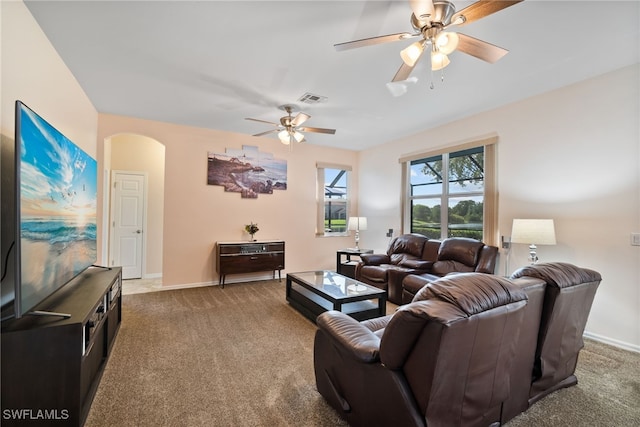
{"x":333,"y":200}
{"x":450,"y":194}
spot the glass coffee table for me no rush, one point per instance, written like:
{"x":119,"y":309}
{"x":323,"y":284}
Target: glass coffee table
{"x":314,"y":292}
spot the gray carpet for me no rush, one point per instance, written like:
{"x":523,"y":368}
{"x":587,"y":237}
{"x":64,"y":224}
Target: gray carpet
{"x":241,"y":356}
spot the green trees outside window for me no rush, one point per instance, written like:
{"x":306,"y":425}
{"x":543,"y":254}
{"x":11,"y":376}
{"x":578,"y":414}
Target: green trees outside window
{"x":462,"y":192}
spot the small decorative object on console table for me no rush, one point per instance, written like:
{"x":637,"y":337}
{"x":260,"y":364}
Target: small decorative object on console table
{"x":251,"y":229}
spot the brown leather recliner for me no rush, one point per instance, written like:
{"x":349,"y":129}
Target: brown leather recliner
{"x":455,"y":254}
{"x":407,"y":254}
{"x":551,"y":336}
{"x":443,"y":360}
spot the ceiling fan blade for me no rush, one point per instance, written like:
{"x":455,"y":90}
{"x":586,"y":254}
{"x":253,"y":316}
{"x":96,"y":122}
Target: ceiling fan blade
{"x":300,"y":119}
{"x":266,"y":132}
{"x":374,"y":40}
{"x":480,"y":9}
{"x":422,"y":9}
{"x":317,"y":130}
{"x":403,"y":73}
{"x":261,"y":121}
{"x":480,"y":49}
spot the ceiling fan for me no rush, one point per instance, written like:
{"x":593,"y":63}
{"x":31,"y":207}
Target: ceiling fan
{"x":289,"y":129}
{"x":430,"y":18}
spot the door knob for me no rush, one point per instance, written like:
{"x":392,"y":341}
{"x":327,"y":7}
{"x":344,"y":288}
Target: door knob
{"x":138,"y":231}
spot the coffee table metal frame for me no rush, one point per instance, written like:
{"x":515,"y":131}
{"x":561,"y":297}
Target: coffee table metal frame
{"x":314,"y":292}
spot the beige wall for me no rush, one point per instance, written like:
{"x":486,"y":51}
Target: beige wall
{"x":33,"y":72}
{"x":572,"y":155}
{"x":136,"y":153}
{"x":196,"y":215}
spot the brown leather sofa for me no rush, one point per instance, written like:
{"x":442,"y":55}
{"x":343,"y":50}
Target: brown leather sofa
{"x":443,"y":360}
{"x":551,"y":337}
{"x":407,"y":254}
{"x":456,"y":254}
{"x":560,"y":296}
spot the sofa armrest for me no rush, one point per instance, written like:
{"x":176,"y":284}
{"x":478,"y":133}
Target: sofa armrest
{"x":350,"y":335}
{"x":375,"y":259}
{"x":417,"y":264}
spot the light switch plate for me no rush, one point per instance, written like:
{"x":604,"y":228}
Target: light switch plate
{"x":635,"y":239}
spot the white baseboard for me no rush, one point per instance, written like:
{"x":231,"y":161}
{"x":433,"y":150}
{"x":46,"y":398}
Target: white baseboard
{"x":185,"y":286}
{"x":237,"y":278}
{"x":616,"y":343}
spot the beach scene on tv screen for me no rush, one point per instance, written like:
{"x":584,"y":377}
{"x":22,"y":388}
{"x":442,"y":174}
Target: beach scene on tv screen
{"x":58,"y":197}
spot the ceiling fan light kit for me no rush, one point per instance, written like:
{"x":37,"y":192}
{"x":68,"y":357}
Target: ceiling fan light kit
{"x":289,"y":129}
{"x":439,"y":60}
{"x":411,"y":53}
{"x":430,"y":19}
{"x":447,"y":42}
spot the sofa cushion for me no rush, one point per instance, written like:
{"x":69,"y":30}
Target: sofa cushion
{"x":375,"y":273}
{"x":414,"y":282}
{"x":402,"y":258}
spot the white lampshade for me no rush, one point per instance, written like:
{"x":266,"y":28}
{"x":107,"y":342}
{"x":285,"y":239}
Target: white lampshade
{"x":284,"y":137}
{"x":357,"y":223}
{"x":298,"y":136}
{"x":533,"y":231}
{"x":439,"y":60}
{"x":411,"y":53}
{"x":447,"y":42}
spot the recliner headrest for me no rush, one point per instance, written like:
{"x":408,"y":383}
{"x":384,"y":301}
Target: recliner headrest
{"x":461,"y":249}
{"x":472,"y":292}
{"x":408,"y":244}
{"x":560,"y":274}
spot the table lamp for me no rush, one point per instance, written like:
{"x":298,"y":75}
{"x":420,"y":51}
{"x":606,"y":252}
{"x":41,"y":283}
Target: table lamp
{"x":357,"y":223}
{"x":534,"y":232}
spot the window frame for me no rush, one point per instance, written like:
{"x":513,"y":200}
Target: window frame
{"x":322,"y":200}
{"x":490,"y":201}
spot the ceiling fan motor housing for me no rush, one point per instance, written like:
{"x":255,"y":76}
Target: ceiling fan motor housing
{"x":443,"y":11}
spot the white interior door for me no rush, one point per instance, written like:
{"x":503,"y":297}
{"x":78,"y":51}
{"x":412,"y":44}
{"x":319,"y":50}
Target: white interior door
{"x":127,"y":220}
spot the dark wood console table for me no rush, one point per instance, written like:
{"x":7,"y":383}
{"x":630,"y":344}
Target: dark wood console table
{"x":249,"y":257}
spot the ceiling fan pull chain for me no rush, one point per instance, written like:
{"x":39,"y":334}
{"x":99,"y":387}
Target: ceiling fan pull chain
{"x":431,"y":86}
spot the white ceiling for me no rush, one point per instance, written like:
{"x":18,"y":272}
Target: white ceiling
{"x":212,"y":63}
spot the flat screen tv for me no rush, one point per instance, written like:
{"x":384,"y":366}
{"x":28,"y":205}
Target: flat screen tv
{"x":56,"y":187}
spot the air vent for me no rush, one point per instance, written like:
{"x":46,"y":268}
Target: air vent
{"x":310,"y":98}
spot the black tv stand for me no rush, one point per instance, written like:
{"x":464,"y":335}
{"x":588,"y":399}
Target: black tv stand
{"x":54,"y":365}
{"x":48,"y":313}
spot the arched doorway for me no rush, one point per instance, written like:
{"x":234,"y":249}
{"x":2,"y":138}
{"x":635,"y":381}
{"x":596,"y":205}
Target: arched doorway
{"x":131,"y":155}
